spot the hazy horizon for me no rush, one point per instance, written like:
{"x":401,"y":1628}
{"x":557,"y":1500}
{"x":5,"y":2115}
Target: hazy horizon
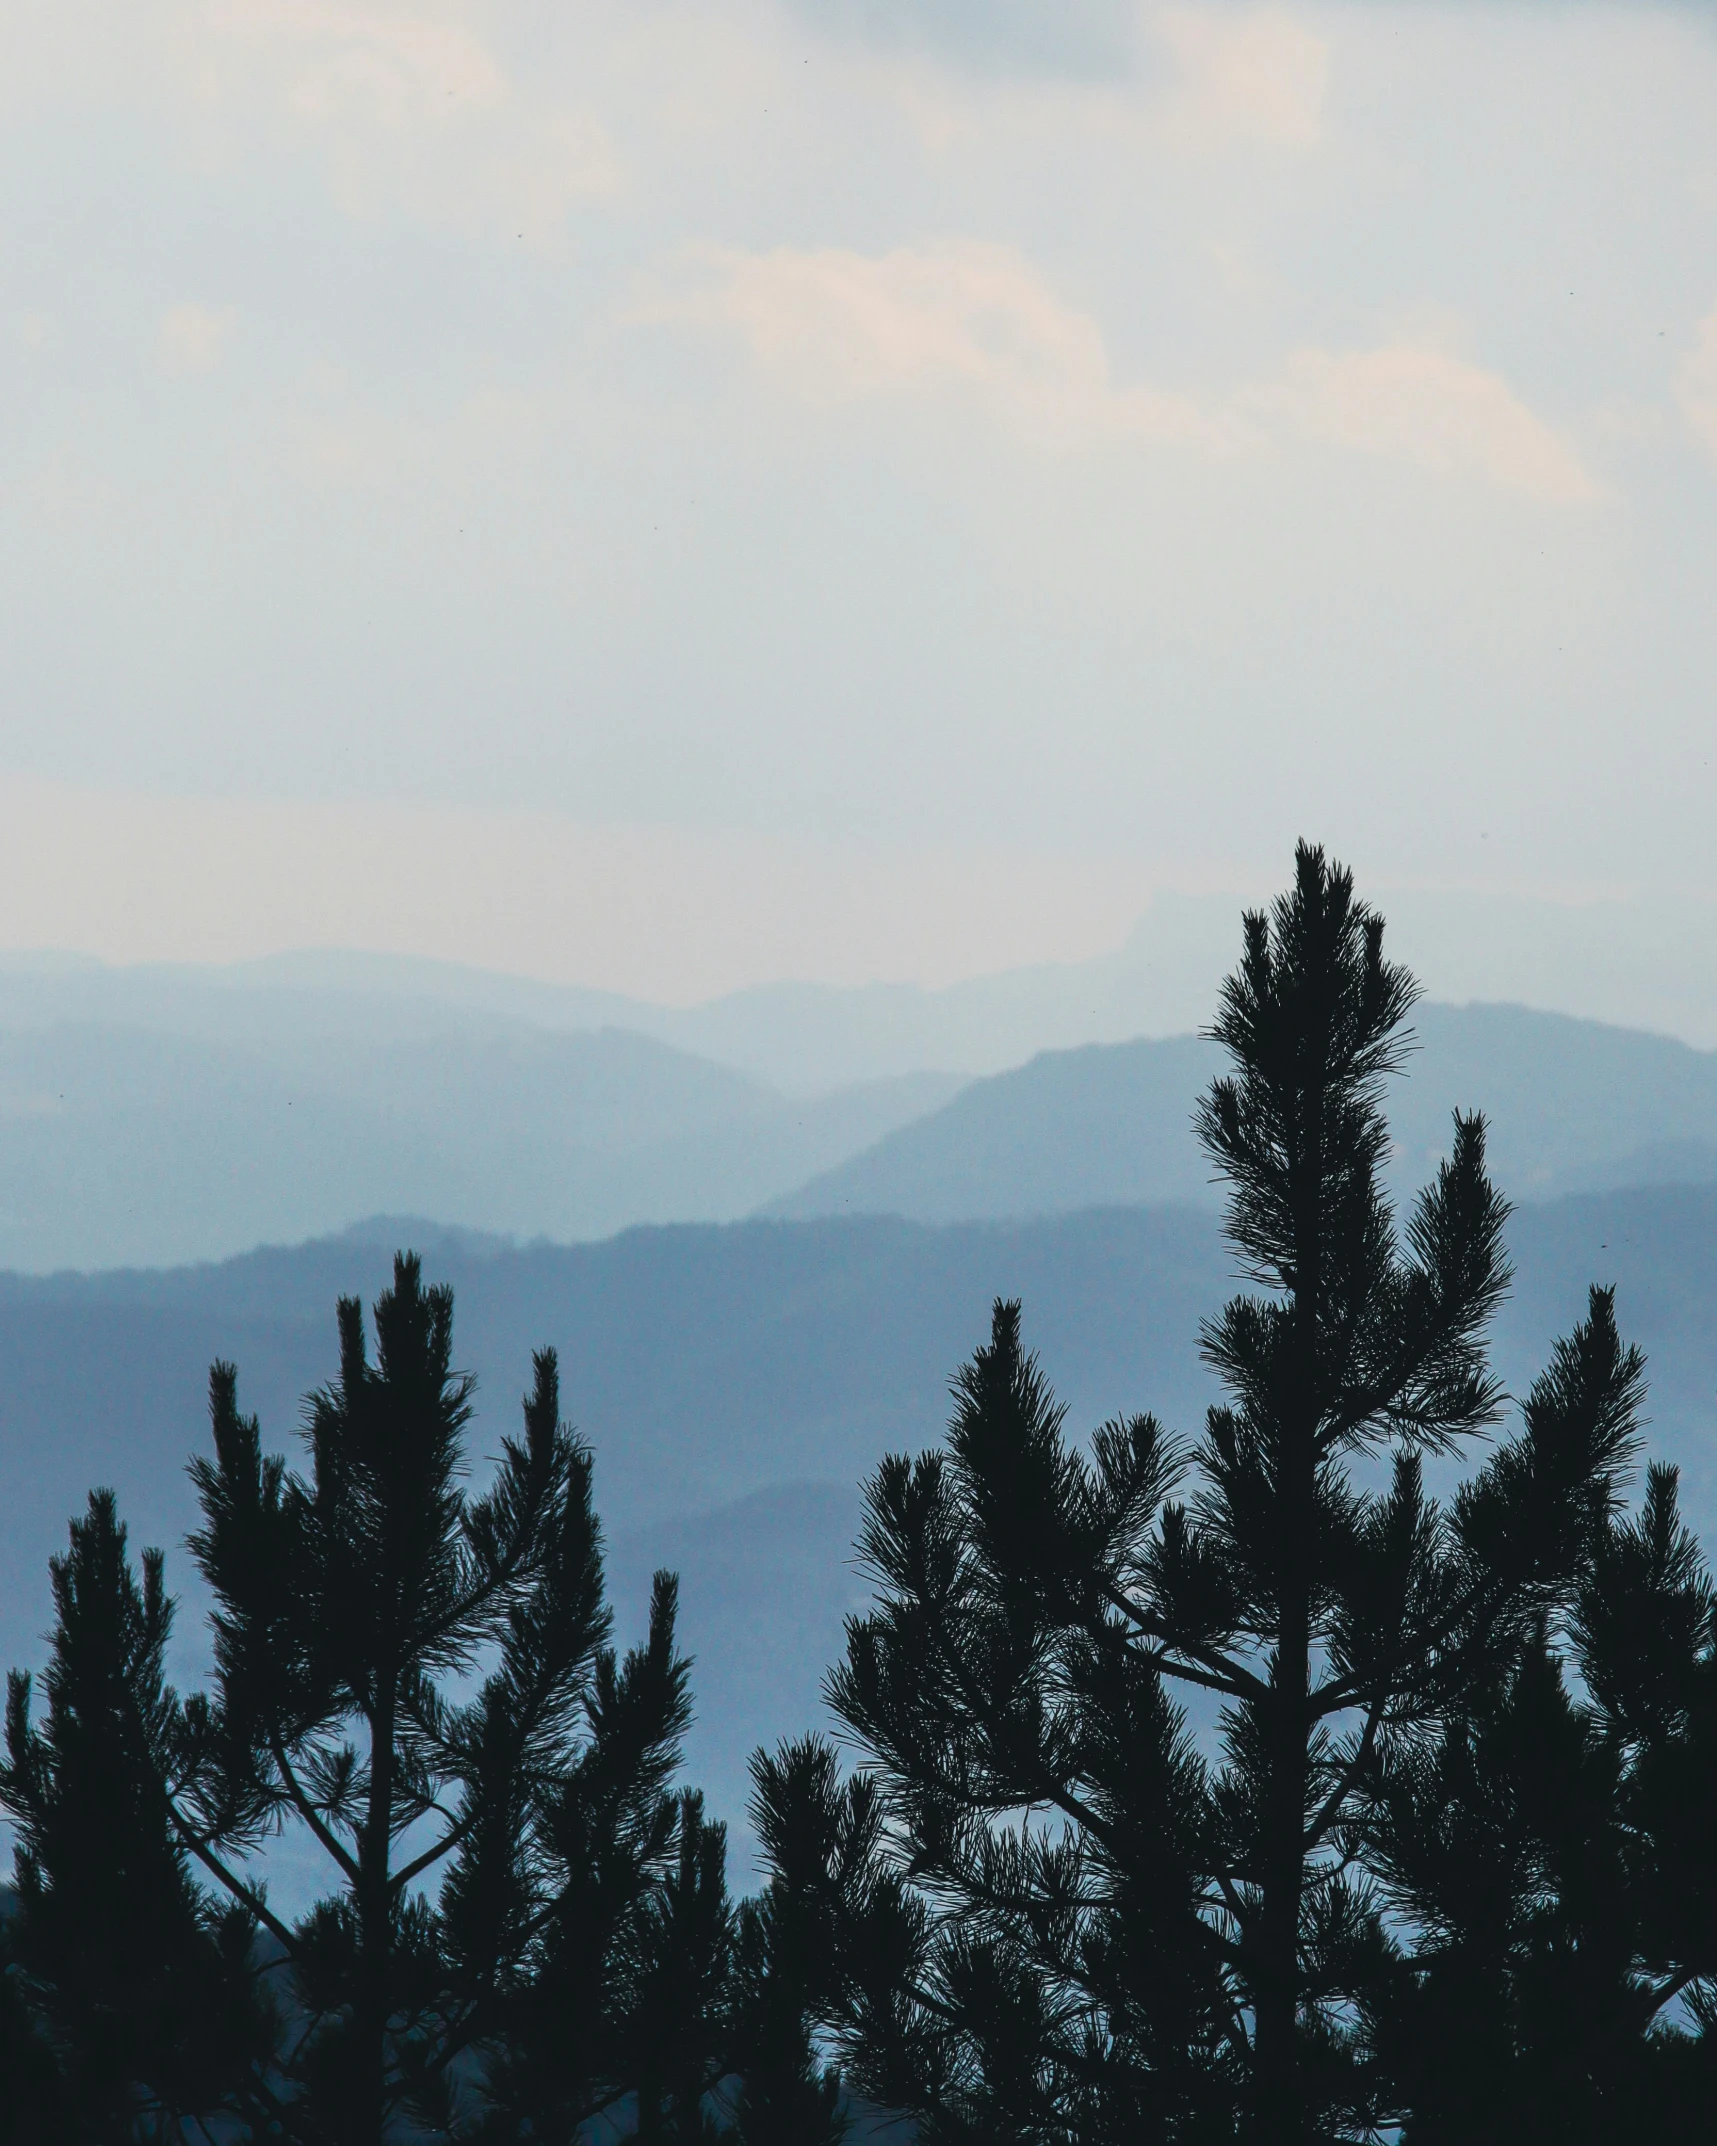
{"x":1642,"y":964}
{"x":673,"y":497}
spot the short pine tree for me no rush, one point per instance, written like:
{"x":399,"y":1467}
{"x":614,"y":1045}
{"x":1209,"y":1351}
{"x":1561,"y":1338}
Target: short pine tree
{"x":36,"y":2108}
{"x":423,"y":1682}
{"x":1550,"y":1850}
{"x":136,"y":1981}
{"x":1053,"y":1914}
{"x":788,"y":2096}
{"x":348,"y":1605}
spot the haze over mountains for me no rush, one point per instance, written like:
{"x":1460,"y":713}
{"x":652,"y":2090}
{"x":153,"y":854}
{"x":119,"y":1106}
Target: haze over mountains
{"x":1571,"y":1106}
{"x":190,"y":1121}
{"x":737,"y":1381}
{"x":153,"y":1116}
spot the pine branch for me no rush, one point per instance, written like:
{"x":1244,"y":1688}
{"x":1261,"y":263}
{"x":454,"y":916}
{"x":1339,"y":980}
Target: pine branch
{"x":245,"y":1895}
{"x":306,"y":1810}
{"x":1217,"y":1672}
{"x":461,"y":1830}
{"x":1351,"y":1776}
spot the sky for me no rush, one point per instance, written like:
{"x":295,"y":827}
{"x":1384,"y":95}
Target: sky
{"x":667,"y":497}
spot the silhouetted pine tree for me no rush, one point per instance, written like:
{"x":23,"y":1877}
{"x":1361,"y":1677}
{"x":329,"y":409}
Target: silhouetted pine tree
{"x":349,"y":1604}
{"x":121,"y":1966}
{"x":1053,"y":1914}
{"x":787,"y":2095}
{"x":35,"y":2097}
{"x":1551,"y":1849}
{"x":629,"y":1992}
{"x":523,"y":1924}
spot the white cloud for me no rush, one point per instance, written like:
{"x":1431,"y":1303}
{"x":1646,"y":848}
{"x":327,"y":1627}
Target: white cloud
{"x":979,"y":322}
{"x":1696,"y":385}
{"x":411,"y":105}
{"x":393,"y":66}
{"x":1242,"y":75}
{"x":963,"y":317}
{"x":1433,"y":408}
{"x":193,"y":338}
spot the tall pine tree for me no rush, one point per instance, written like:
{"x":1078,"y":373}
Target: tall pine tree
{"x":1055,"y":1912}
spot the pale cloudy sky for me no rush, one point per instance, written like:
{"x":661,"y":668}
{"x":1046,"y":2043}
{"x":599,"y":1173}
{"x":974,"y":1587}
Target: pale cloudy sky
{"x":666,"y":496}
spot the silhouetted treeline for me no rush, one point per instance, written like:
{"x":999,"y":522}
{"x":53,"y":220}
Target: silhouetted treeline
{"x":1234,"y":1789}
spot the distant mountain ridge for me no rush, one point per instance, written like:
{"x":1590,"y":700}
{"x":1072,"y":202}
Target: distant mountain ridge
{"x":1646,"y":961}
{"x":1571,"y":1105}
{"x":146,"y":1145}
{"x":155,"y":1117}
{"x":1649,"y":962}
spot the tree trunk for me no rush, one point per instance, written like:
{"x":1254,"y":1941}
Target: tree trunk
{"x":375,"y":1930}
{"x":1278,"y":2117}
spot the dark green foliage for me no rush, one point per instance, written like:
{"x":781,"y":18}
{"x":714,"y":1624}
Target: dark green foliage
{"x":785,"y":1939}
{"x":1074,"y":1990}
{"x":629,"y":1991}
{"x":1551,"y":1845}
{"x":523,"y":1926}
{"x":36,"y":2107}
{"x":1053,"y":1912}
{"x":354,"y":1608}
{"x":119,"y":1964}
{"x":1012,"y":1900}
